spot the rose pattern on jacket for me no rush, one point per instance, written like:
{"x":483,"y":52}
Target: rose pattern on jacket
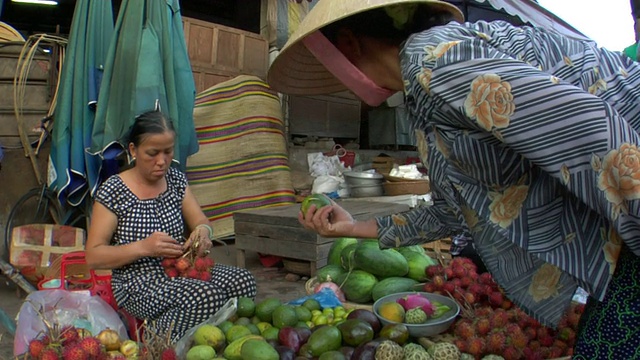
{"x":424,"y":79}
{"x":490,"y":102}
{"x":545,"y":282}
{"x":505,"y":207}
{"x":619,"y":177}
{"x":435,"y":52}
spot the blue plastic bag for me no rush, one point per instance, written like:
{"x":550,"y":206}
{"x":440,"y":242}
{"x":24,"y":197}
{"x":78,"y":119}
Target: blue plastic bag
{"x":325,"y":297}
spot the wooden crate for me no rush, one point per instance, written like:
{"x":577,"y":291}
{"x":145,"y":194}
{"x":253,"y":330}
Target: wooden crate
{"x":276,"y":231}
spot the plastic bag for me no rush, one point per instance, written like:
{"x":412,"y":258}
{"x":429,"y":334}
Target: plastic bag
{"x":64,"y":308}
{"x":225,"y":312}
{"x":325,"y":297}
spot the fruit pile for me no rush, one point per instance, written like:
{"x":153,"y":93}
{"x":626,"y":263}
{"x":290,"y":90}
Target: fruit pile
{"x":189,"y":266}
{"x":71,"y":343}
{"x":412,"y":309}
{"x":271,"y":330}
{"x":491,"y":324}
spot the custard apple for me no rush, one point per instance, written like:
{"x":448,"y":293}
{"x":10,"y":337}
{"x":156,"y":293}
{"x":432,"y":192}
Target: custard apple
{"x":389,"y":350}
{"x":415,"y":316}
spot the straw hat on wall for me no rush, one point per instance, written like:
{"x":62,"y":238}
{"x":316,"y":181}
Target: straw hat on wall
{"x":296,"y":71}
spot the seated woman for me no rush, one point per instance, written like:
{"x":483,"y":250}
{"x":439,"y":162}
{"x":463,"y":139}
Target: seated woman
{"x":139,"y":218}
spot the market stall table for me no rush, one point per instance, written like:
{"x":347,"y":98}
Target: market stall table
{"x":276,"y":231}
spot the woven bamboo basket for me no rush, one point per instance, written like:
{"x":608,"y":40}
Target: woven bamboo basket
{"x":439,"y":250}
{"x":300,"y":267}
{"x":393,"y":188}
{"x":311,"y":283}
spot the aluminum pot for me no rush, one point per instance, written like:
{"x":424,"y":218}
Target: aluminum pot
{"x":364,"y":183}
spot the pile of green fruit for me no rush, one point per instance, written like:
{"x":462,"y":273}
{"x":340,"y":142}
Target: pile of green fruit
{"x":271,"y":330}
{"x":366,"y":273}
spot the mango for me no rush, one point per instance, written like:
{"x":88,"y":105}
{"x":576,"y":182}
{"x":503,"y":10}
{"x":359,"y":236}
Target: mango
{"x":233,"y":350}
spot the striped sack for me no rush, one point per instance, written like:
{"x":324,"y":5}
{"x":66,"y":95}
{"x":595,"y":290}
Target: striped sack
{"x":242,"y":162}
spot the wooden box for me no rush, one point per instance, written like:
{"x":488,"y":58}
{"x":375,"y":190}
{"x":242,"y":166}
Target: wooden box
{"x":276,"y":231}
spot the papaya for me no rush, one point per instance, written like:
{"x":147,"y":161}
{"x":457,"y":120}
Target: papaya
{"x":358,"y":285}
{"x":392,"y":285}
{"x":418,"y":262}
{"x":336,"y":248}
{"x":329,"y":272}
{"x":381,"y":263}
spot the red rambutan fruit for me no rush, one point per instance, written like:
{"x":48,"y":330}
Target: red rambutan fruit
{"x":511,"y":353}
{"x":182,"y":264}
{"x":429,"y":287}
{"x":518,"y":340}
{"x":434,"y":270}
{"x":172,"y":272}
{"x":74,"y":352}
{"x":91,"y":346}
{"x":483,"y":311}
{"x":210,"y":262}
{"x":499,"y":319}
{"x":49,"y":354}
{"x":460,"y":344}
{"x":483,"y":326}
{"x":464,"y":330}
{"x":496,"y":299}
{"x":469,"y":298}
{"x":476,"y":289}
{"x":546,"y":341}
{"x":542,"y":332}
{"x":448,"y":273}
{"x":191,"y":273}
{"x":169,"y":354}
{"x":573,"y":319}
{"x":506,"y":304}
{"x":449,"y":287}
{"x":566,"y":334}
{"x":200,"y":264}
{"x":35,"y":348}
{"x":204,"y":275}
{"x":459,"y":272}
{"x":486,"y":279}
{"x":531,"y":333}
{"x":475,"y":346}
{"x":438,"y":281}
{"x":465,"y":282}
{"x":495,"y":342}
{"x":457,"y":283}
{"x":168,"y":262}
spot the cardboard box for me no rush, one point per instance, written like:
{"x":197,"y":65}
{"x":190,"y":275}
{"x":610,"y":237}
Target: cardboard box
{"x":35,"y":248}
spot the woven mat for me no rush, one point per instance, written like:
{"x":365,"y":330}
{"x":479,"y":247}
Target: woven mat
{"x":242,"y":162}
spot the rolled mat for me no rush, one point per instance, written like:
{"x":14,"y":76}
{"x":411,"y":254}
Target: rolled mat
{"x":242,"y":162}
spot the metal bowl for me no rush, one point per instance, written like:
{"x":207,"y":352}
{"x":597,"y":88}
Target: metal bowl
{"x":364,"y":183}
{"x":433,"y":326}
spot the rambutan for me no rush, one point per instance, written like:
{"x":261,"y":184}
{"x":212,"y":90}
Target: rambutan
{"x":579,"y":309}
{"x":465,"y":282}
{"x":530,"y":332}
{"x":512,"y":328}
{"x":496,"y":299}
{"x":457,"y":283}
{"x":532,"y":354}
{"x":477,"y":290}
{"x":486,"y":279}
{"x":191,"y":273}
{"x":499,"y":319}
{"x":506,"y":304}
{"x":169,"y":354}
{"x":469,"y":298}
{"x":518,"y":339}
{"x":204,"y":275}
{"x":49,"y":354}
{"x":200,"y":264}
{"x":437,"y":281}
{"x":483,"y":326}
{"x":172,"y":272}
{"x":434,"y":270}
{"x":448,"y":287}
{"x":460,"y":344}
{"x":560,"y":344}
{"x":566,"y":334}
{"x":448,"y":273}
{"x":429,"y":287}
{"x":511,"y":353}
{"x":91,"y":346}
{"x":573,"y":319}
{"x":182,"y":264}
{"x":74,"y":352}
{"x":545,"y":340}
{"x":35,"y":348}
{"x":69,"y":334}
{"x":210,"y":262}
{"x":495,"y":342}
{"x":168,"y":262}
{"x":464,"y":330}
{"x":459,"y":272}
{"x":475,"y":346}
{"x":483,"y":311}
{"x":542,"y":332}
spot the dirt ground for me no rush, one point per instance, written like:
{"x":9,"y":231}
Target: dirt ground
{"x":271,"y":283}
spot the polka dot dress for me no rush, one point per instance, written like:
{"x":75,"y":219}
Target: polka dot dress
{"x":611,"y":329}
{"x":142,"y":288}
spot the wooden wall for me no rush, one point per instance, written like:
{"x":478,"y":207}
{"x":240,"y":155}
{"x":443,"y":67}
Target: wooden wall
{"x":219,"y":53}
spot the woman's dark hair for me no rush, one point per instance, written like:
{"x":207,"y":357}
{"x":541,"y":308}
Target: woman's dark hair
{"x":150,"y":122}
{"x":378,"y":24}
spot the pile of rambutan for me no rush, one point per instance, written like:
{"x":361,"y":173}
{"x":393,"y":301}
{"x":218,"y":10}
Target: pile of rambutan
{"x":491,"y":324}
{"x":66,"y":343}
{"x":189,"y":265}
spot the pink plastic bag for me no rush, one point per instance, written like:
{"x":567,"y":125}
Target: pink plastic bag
{"x":64,"y":308}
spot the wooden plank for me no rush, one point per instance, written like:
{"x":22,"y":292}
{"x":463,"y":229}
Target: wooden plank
{"x":287,"y":215}
{"x":284,"y":248}
{"x":9,"y":124}
{"x":36,"y":96}
{"x":276,"y":232}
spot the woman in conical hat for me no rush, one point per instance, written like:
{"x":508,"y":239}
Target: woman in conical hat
{"x":531,"y":143}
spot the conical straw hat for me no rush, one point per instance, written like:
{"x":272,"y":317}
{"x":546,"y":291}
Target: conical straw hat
{"x":296,"y":71}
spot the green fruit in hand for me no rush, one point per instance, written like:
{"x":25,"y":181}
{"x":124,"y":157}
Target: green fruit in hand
{"x":319,"y":200}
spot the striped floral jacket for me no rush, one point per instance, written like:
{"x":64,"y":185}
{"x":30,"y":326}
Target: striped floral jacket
{"x":531,"y":141}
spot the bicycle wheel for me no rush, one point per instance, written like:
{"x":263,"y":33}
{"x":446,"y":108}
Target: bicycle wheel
{"x":37,"y":206}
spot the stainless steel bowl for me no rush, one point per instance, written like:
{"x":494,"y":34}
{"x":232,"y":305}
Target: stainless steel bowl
{"x":364,"y":184}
